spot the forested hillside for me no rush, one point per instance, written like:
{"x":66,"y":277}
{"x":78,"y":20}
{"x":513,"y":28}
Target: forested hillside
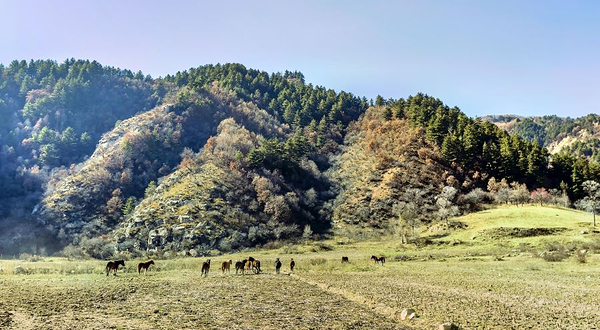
{"x":101,"y":161}
{"x":51,"y":117}
{"x":577,"y":136}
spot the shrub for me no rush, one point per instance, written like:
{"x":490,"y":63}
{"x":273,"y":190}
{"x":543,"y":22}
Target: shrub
{"x":581,"y":256}
{"x":72,"y":252}
{"x":35,"y":258}
{"x":317,"y":261}
{"x":324,"y":247}
{"x":24,"y":256}
{"x":225,"y":245}
{"x":554,"y":246}
{"x":290,"y":249}
{"x":307,"y":233}
{"x":554,"y":256}
{"x":272,"y":245}
{"x":22,"y":271}
{"x":403,"y":257}
{"x":98,"y":248}
{"x":593,"y":246}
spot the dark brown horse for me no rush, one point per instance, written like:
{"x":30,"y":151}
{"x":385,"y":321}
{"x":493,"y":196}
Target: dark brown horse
{"x":292,"y":265}
{"x":205,"y":268}
{"x":226,"y":265}
{"x":378,"y":259}
{"x":277,"y":265}
{"x":345,"y":259}
{"x":114,"y":265}
{"x":144,"y":265}
{"x":239,"y":265}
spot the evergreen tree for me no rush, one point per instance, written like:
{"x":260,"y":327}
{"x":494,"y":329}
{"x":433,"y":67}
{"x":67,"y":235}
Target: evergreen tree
{"x":387,"y":114}
{"x":438,"y":127}
{"x":452,"y":149}
{"x":537,"y":161}
{"x":472,"y":143}
{"x":490,"y":156}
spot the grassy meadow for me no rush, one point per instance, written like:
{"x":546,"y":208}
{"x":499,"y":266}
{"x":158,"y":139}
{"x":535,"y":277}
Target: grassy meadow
{"x":479,"y":277}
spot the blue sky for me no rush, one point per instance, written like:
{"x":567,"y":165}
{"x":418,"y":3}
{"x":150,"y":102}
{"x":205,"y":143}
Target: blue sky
{"x":486,"y":57}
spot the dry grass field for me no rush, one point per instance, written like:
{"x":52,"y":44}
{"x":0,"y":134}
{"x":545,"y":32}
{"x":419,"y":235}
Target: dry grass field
{"x":176,"y":300}
{"x":485,"y":285}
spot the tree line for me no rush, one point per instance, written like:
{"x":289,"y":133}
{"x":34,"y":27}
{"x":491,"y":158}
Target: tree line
{"x":483,"y":149}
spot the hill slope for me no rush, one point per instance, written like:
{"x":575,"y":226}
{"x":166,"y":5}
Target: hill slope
{"x":578,"y":136}
{"x":386,"y":167}
{"x":527,"y":224}
{"x":224,"y":157}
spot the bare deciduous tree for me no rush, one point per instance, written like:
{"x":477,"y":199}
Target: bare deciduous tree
{"x":445,"y":203}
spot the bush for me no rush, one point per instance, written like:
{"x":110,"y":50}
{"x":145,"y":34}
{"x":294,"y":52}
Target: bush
{"x":272,"y":245}
{"x":581,"y":256}
{"x":554,"y":246}
{"x":554,"y":256}
{"x":593,"y":246}
{"x":290,"y":249}
{"x":317,"y":261}
{"x":225,"y":245}
{"x":22,"y":271}
{"x":35,"y":258}
{"x":98,"y":248}
{"x":324,"y":247}
{"x":72,"y":252}
{"x":404,"y":257}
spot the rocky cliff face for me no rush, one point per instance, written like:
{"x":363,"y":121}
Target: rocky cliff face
{"x":205,"y":200}
{"x":89,"y":200}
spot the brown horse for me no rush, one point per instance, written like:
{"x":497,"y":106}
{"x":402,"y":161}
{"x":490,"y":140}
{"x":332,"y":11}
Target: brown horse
{"x":144,"y":265}
{"x":345,"y":259}
{"x":378,"y":259}
{"x":205,"y":268}
{"x":256,"y":266}
{"x":225,"y":266}
{"x":239,"y":265}
{"x":292,"y":265}
{"x":114,"y":265}
{"x":277,"y":265}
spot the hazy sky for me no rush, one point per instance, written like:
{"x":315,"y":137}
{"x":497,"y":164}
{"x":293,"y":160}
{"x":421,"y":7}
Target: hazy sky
{"x":487,"y":57}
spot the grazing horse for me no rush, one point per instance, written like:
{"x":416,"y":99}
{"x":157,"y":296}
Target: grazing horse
{"x":256,"y":266}
{"x":378,"y":259}
{"x":114,"y":265}
{"x":239,"y":265}
{"x":205,"y":268}
{"x":292,"y":265}
{"x":277,"y":265}
{"x":345,"y":259}
{"x":226,"y":265}
{"x":144,"y":265}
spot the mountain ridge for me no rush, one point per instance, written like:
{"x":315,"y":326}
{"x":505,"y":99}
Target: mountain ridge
{"x":222,"y":157}
{"x":578,"y":136}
